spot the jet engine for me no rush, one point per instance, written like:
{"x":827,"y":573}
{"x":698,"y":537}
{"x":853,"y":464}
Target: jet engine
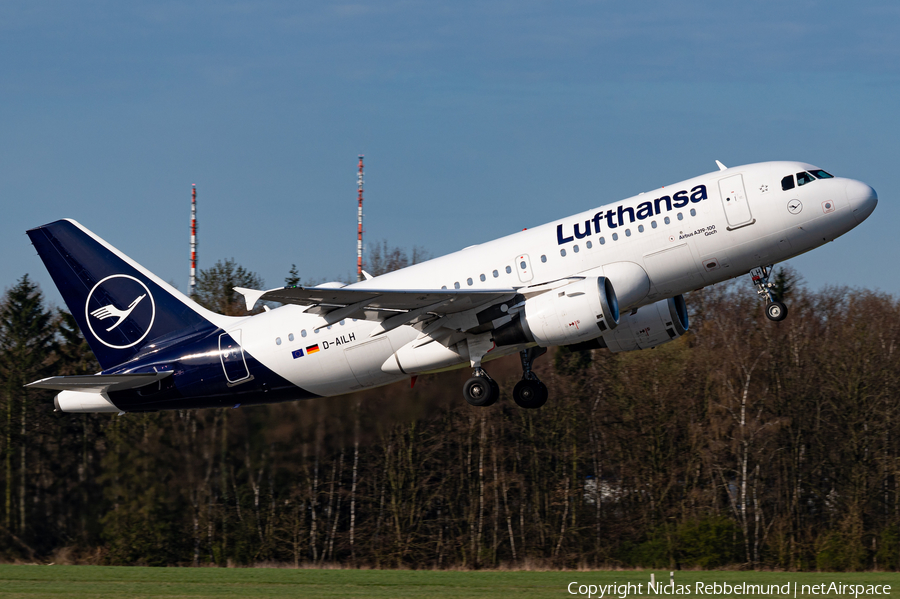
{"x":650,"y":326}
{"x":574,"y":313}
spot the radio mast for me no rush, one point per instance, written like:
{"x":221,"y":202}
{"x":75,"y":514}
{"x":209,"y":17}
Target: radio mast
{"x":359,"y":224}
{"x":192,"y":284}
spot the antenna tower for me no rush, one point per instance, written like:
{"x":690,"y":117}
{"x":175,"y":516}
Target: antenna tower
{"x":359,"y":224}
{"x":192,"y":284}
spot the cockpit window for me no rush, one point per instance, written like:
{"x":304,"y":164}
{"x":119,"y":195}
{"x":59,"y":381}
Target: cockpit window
{"x":804,"y":178}
{"x":820,"y":174}
{"x":787,"y":183}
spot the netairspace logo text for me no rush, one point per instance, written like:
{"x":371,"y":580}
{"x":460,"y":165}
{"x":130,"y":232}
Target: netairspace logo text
{"x":623,"y":590}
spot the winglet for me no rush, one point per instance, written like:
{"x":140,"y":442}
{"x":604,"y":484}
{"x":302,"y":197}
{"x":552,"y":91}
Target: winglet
{"x":721,"y":166}
{"x":251,"y":296}
{"x":367,"y":276}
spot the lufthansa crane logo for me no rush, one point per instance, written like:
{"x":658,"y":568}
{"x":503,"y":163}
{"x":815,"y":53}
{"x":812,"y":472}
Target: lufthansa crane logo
{"x":120,"y":311}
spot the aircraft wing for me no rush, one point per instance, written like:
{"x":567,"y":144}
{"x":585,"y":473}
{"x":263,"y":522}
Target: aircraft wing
{"x":401,"y":305}
{"x":99,"y":382}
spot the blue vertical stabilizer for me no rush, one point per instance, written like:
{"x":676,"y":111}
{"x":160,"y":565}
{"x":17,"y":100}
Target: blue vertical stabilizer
{"x":119,"y":305}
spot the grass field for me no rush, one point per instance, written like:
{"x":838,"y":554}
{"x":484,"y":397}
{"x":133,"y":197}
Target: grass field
{"x":74,"y":582}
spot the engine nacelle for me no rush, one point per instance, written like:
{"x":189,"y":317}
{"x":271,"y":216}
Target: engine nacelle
{"x":574,"y":313}
{"x":651,"y":326}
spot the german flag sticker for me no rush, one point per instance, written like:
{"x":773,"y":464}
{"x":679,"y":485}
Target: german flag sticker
{"x":312,"y":349}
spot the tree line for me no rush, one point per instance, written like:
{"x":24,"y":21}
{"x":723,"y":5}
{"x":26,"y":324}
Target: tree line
{"x":745,"y":443}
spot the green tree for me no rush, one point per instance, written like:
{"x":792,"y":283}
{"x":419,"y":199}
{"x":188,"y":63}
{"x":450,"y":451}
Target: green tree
{"x":215,"y":287}
{"x":785,"y":280}
{"x":75,"y":355}
{"x":27,"y":341}
{"x":293,"y":278}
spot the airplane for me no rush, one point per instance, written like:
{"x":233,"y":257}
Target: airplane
{"x":610,"y":277}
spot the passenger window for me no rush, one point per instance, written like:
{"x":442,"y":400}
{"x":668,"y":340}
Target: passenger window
{"x":303,"y":333}
{"x":443,"y":286}
{"x":482,"y":277}
{"x":496,"y":274}
{"x":787,"y":183}
{"x":469,"y":281}
{"x":820,"y":174}
{"x":804,"y":178}
{"x":277,"y":340}
{"x":653,"y":224}
{"x":627,"y":232}
{"x":562,"y":252}
{"x":693,"y":212}
{"x":508,"y":269}
{"x":575,"y":248}
{"x":291,"y":337}
{"x":603,"y":241}
{"x":668,"y":220}
{"x":615,"y":237}
{"x":543,"y":258}
{"x":680,"y":216}
{"x":640,"y":228}
{"x":456,"y":285}
{"x":589,"y":245}
{"x":522,"y":265}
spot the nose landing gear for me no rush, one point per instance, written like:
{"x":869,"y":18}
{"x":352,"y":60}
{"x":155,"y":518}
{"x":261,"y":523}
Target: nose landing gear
{"x":775,"y":310}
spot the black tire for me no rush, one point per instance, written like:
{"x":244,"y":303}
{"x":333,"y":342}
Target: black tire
{"x":530,"y":394}
{"x":479,"y":391}
{"x":776,"y":311}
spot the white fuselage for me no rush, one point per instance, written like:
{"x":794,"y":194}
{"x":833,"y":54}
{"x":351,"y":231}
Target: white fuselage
{"x":740,"y":219}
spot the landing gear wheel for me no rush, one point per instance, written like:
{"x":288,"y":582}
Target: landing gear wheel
{"x":530,"y":394}
{"x":481,"y":391}
{"x":776,"y":311}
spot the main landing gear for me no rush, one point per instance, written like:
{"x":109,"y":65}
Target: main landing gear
{"x":529,"y":393}
{"x":481,"y":390}
{"x":775,"y":310}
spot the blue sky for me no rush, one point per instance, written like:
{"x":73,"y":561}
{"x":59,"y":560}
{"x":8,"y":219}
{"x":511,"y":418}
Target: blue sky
{"x":476,"y":119}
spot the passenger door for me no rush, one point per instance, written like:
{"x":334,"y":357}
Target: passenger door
{"x":734,"y":199}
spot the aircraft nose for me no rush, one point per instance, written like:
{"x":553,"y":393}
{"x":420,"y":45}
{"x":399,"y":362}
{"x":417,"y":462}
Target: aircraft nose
{"x":862,"y":198}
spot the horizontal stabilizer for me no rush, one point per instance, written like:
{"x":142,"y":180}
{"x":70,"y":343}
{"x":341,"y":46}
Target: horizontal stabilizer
{"x":99,"y":382}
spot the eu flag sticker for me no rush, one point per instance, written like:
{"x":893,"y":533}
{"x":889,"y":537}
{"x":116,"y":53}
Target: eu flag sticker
{"x":297,"y":354}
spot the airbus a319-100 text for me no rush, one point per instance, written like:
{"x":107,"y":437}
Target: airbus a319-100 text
{"x":611,"y":277}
